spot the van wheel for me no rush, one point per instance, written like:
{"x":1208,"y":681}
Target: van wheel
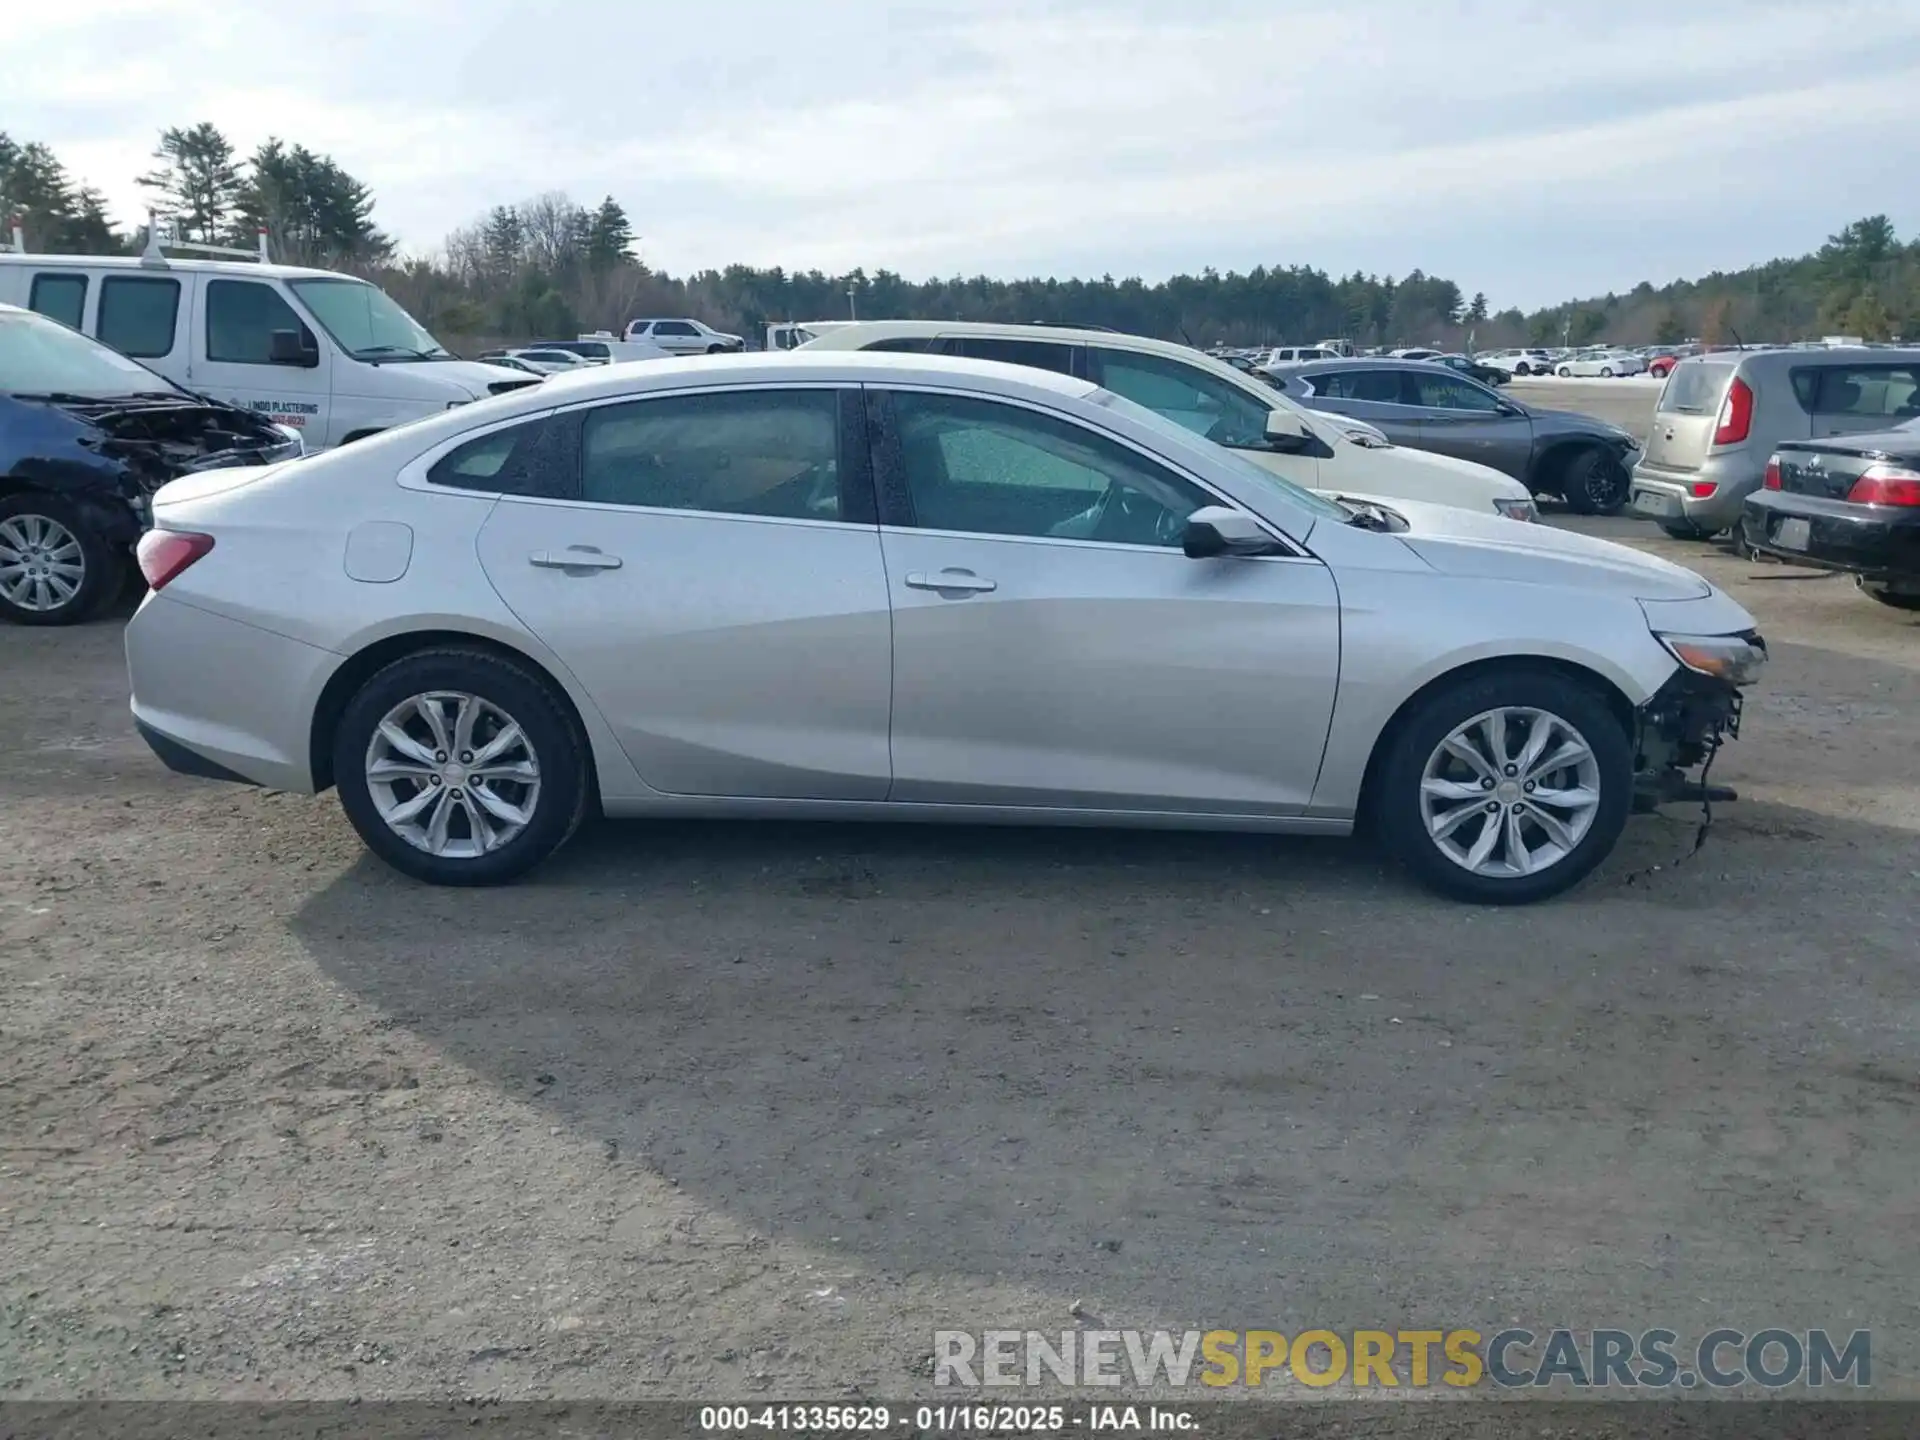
{"x":460,"y":767}
{"x":1594,"y":483}
{"x":1505,"y":787}
{"x":55,"y":568}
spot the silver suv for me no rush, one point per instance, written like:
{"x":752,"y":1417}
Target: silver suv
{"x":1720,"y":416}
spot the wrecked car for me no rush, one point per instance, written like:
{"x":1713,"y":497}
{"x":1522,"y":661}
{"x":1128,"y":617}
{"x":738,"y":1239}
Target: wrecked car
{"x":86,"y":437}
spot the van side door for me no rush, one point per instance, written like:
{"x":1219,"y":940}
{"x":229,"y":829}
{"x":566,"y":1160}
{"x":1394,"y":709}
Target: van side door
{"x":144,"y":318}
{"x":234,"y":349}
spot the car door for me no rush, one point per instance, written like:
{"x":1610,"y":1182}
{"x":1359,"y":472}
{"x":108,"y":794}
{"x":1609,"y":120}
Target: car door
{"x":1462,"y":418}
{"x":677,"y":336}
{"x":1053,"y":645}
{"x":232,"y":356}
{"x":707,"y":564}
{"x":1375,"y":394}
{"x":1858,"y":399}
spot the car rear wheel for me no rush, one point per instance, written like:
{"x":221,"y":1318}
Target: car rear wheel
{"x":1606,"y":372}
{"x":1506,"y":787}
{"x":55,"y":567}
{"x":460,"y":767}
{"x":1594,"y":482}
{"x":1687,"y":530}
{"x":1887,"y":595}
{"x":1564,"y":372}
{"x":1522,"y":369}
{"x":716,"y":349}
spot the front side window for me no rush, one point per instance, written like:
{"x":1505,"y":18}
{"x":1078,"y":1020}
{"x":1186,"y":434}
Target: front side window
{"x":1449,"y":392}
{"x":60,"y":297}
{"x":1376,"y":387}
{"x":1869,"y":391}
{"x":768,"y":453}
{"x":366,"y":322}
{"x":673,"y":327}
{"x":986,"y":468}
{"x":241,"y":318}
{"x":138,"y":314}
{"x":1038,"y":354}
{"x":1185,"y":394}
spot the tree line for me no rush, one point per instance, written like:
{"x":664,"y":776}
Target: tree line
{"x":548,"y":267}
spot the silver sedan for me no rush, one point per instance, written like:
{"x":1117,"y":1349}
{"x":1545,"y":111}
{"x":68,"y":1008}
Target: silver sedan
{"x":905,"y":587}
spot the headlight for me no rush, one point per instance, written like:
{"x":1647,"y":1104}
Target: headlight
{"x":1732,"y":658}
{"x":296,"y":442}
{"x":1516,"y":509}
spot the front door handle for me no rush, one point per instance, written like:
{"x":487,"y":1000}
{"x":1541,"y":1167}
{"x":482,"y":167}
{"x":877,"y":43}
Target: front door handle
{"x":950,"y":580}
{"x":574,"y":557}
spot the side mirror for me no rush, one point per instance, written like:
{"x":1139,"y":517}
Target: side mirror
{"x":1216,"y":530}
{"x":290,"y":347}
{"x":1287,"y":434}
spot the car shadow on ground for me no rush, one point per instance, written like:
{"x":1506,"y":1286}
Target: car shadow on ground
{"x":1199,"y":1077}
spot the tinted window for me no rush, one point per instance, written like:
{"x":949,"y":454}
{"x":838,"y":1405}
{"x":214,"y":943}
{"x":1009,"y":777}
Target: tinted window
{"x":137,"y":315}
{"x":1449,"y":392}
{"x":906,"y":345}
{"x":758,"y":452}
{"x":1379,"y":387}
{"x":1695,"y":389}
{"x":60,"y":297}
{"x":673,"y":327}
{"x":241,"y":318}
{"x":978,"y":466}
{"x":1038,"y":354}
{"x":1872,"y":391}
{"x":1192,"y":398}
{"x":502,"y":462}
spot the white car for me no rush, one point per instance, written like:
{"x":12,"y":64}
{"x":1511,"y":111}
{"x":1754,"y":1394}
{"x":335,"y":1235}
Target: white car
{"x":1332,"y":454}
{"x":602,"y":347}
{"x":1517,"y":362}
{"x":543,"y":361}
{"x":1604,"y":363}
{"x":1292,"y":355}
{"x":907,"y":587}
{"x":684,"y":337}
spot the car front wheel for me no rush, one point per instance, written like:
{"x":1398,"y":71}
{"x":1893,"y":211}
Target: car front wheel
{"x":1522,"y":369}
{"x":1506,"y":787}
{"x":1595,"y":483}
{"x":55,"y":568}
{"x":460,"y":767}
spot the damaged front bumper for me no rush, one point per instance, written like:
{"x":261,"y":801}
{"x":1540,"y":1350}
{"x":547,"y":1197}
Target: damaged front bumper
{"x":1683,"y":726}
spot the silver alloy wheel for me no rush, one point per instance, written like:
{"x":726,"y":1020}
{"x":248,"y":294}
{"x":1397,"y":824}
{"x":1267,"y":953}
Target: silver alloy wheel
{"x":453,"y":774}
{"x":42,"y":566}
{"x":1510,"y":792}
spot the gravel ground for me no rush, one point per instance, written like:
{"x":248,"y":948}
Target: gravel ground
{"x":725,"y":1111}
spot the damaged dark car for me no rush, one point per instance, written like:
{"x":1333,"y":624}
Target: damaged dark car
{"x":86,"y":437}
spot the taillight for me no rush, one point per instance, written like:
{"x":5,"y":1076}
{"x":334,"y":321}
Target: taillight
{"x":1772,"y":482}
{"x":163,"y":554}
{"x":1701,"y":489}
{"x":1886,"y":485}
{"x":1736,"y":414}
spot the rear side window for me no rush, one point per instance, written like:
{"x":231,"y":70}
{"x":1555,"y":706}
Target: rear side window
{"x":768,"y":453}
{"x":1036,"y":353}
{"x":503,"y":462}
{"x":1869,"y":391}
{"x":906,"y":345}
{"x":1695,"y":389}
{"x":60,"y":297}
{"x":673,"y":327}
{"x":138,"y":314}
{"x":1377,"y":387}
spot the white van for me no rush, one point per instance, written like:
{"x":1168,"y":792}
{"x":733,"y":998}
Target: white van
{"x":331,"y":356}
{"x":1328,"y":453}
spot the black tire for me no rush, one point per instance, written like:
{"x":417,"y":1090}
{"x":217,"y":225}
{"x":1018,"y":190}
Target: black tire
{"x":1564,"y":373}
{"x":716,"y":349}
{"x":1899,"y":600}
{"x":103,"y":564}
{"x":1606,"y":372}
{"x":1522,"y":369}
{"x":552,"y":736}
{"x":1396,"y":809}
{"x":1594,"y":483}
{"x":1687,"y":530}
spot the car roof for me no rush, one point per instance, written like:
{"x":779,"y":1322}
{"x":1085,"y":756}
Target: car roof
{"x":851,"y":336}
{"x":141,"y":264}
{"x":1374,"y":362}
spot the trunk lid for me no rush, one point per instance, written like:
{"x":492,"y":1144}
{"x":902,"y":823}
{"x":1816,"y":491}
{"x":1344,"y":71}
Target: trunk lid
{"x":1828,"y":468}
{"x":1688,"y":414}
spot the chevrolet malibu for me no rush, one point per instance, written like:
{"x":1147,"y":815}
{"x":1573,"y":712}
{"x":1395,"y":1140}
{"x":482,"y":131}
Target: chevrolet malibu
{"x":907,"y":587}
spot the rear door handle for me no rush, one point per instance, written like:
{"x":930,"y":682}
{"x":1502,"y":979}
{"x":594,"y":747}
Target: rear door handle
{"x":574,"y":557}
{"x":950,"y":580}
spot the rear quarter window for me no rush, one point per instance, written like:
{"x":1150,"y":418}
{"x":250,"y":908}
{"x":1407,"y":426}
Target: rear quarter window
{"x":1695,"y":389}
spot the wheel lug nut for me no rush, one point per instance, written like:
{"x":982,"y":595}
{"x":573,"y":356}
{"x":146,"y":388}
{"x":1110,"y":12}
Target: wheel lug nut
{"x":1516,"y":809}
{"x":466,"y":757}
{"x":1528,"y":787}
{"x":455,"y":792}
{"x":1487,"y":783}
{"x":1513,"y":769}
{"x":440,"y":757}
{"x":433,"y":779}
{"x":1493,"y":807}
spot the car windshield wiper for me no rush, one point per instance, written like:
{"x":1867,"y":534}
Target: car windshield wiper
{"x":407,"y":350}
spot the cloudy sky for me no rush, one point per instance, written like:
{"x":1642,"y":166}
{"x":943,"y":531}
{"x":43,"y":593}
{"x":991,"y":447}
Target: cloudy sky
{"x":1532,"y":149}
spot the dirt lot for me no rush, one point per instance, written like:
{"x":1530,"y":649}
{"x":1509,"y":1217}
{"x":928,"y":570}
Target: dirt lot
{"x":719,"y":1112}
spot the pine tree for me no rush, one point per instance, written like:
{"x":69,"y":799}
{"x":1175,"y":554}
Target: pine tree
{"x":1477,"y":311}
{"x":610,"y":237}
{"x":197,"y":182}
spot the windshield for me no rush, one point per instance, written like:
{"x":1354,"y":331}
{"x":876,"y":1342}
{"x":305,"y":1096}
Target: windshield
{"x":366,"y":323}
{"x":39,"y":356}
{"x":1242,"y":469}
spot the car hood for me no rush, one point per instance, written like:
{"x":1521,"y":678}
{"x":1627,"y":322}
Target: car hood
{"x":1570,"y":422}
{"x":1491,"y":547}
